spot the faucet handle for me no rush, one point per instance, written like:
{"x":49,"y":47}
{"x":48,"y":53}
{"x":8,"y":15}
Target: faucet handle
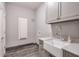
{"x":57,"y":34}
{"x":69,"y":40}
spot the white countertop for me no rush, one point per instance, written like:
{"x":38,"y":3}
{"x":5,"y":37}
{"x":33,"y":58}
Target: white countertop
{"x":45,"y":38}
{"x":73,"y":48}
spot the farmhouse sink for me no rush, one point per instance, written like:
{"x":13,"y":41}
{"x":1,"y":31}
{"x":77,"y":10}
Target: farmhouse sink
{"x":54,"y":46}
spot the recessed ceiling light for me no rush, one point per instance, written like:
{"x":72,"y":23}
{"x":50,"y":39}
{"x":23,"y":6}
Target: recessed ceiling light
{"x":51,"y":3}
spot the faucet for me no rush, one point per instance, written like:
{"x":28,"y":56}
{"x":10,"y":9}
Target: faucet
{"x":59,"y":32}
{"x":69,"y":39}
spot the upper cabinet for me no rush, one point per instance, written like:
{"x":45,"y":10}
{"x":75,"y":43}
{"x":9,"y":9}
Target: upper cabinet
{"x":2,"y":5}
{"x":67,"y":11}
{"x":70,"y":10}
{"x":52,"y":11}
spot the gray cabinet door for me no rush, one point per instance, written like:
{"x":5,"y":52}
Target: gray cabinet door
{"x":68,"y":54}
{"x":52,"y":11}
{"x":69,"y":9}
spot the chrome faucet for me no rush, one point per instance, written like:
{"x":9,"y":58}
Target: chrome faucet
{"x":59,"y":32}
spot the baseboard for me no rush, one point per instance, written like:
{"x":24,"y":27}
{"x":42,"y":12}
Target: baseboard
{"x":15,"y":47}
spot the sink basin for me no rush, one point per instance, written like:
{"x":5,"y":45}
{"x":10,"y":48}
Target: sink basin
{"x":54,"y":46}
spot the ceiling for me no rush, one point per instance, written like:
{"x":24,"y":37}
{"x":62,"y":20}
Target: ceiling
{"x":31,"y":5}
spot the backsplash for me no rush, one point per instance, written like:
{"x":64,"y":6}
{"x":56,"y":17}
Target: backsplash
{"x":66,"y":28}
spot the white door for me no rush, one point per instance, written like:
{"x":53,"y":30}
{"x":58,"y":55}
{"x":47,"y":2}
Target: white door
{"x":1,"y":53}
{"x":2,"y":32}
{"x":22,"y":28}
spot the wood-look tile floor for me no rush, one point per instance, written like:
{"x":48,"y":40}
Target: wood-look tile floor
{"x":26,"y":51}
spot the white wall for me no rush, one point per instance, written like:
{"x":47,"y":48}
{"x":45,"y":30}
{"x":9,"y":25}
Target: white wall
{"x":13,"y":12}
{"x":43,"y":29}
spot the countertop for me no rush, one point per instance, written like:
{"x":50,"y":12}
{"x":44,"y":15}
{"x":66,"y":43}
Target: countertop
{"x":73,"y":48}
{"x":45,"y":38}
